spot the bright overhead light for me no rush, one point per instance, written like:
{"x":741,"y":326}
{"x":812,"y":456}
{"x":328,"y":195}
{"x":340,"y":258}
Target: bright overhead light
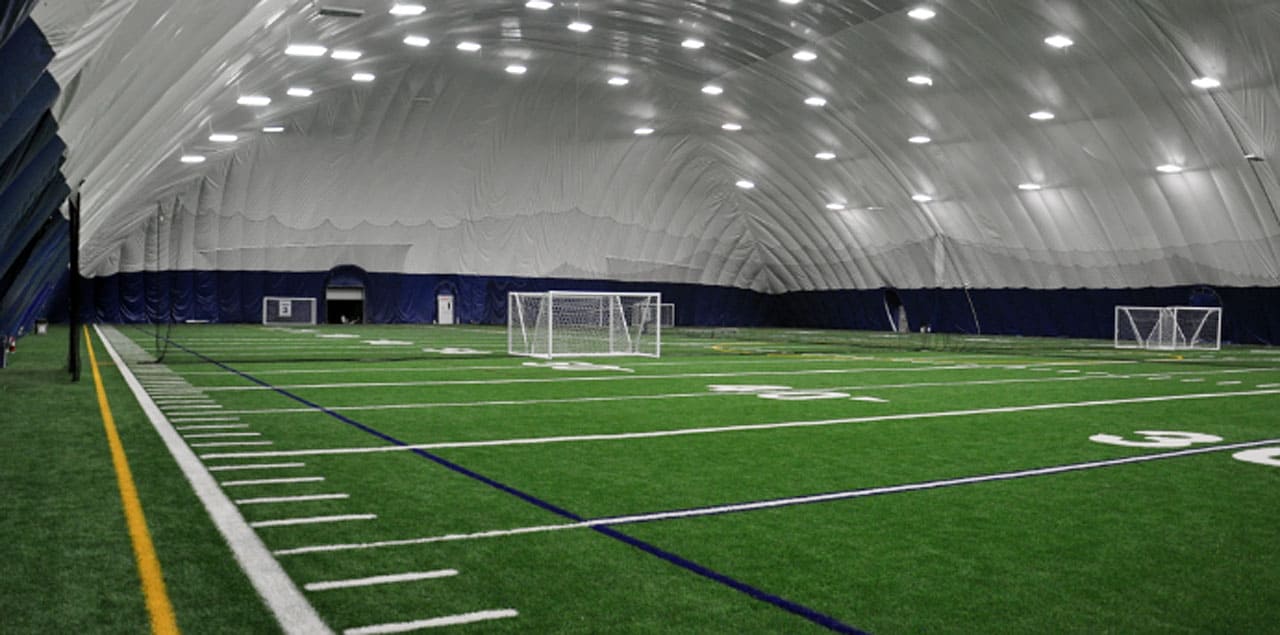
{"x":804,"y":55}
{"x":922,"y":13}
{"x":299,"y":91}
{"x":693,"y":43}
{"x":815,"y":101}
{"x":835,"y":207}
{"x":920,"y":139}
{"x":1030,"y":187}
{"x":470,"y":47}
{"x":618,"y":80}
{"x":221,"y":137}
{"x":192,"y":158}
{"x":541,"y":5}
{"x":305,"y":50}
{"x":644,"y":131}
{"x":745,"y":184}
{"x":1169,"y":168}
{"x":273,"y":129}
{"x":254,"y":100}
{"x":921,"y":80}
{"x":580,"y":27}
{"x":731,"y":127}
{"x":417,"y":40}
{"x":789,"y":1}
{"x":922,"y":198}
{"x":825,"y":156}
{"x":712,"y":89}
{"x":1041,"y":115}
{"x":1059,"y":41}
{"x":346,"y":54}
{"x":1206,"y":82}
{"x":404,"y":8}
{"x":363,"y":77}
{"x":517,"y":69}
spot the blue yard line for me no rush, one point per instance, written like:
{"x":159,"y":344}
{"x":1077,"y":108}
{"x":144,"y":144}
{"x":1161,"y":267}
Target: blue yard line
{"x":800,"y":610}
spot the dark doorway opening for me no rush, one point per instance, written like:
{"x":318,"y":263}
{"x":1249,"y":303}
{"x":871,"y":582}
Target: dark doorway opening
{"x":345,"y":311}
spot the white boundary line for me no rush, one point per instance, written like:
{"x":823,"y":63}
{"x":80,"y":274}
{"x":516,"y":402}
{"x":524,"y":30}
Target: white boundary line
{"x":291,"y":609}
{"x":780,"y":502}
{"x":620,"y":436}
{"x":312,"y":520}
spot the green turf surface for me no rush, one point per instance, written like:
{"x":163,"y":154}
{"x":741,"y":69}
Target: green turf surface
{"x":1181,"y":544}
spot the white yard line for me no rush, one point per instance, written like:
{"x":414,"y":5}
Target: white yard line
{"x":312,"y":520}
{"x":227,"y":444}
{"x":412,"y":576}
{"x":214,"y":426}
{"x":304,"y":498}
{"x":621,"y":436}
{"x":195,"y":419}
{"x":255,"y":466}
{"x":435,"y":622}
{"x":775,"y":503}
{"x":292,"y":611}
{"x":274,"y":481}
{"x":220,"y":435}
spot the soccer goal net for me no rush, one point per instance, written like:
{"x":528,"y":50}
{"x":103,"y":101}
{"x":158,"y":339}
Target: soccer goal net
{"x":1169,"y":328}
{"x":288,"y":311}
{"x":667,"y":314}
{"x":583,"y":324}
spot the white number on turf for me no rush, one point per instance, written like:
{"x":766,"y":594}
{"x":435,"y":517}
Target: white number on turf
{"x":1261,"y":456}
{"x":1157,"y":439}
{"x":577,"y":366}
{"x":781,"y":393}
{"x":453,"y":350}
{"x":744,"y":388}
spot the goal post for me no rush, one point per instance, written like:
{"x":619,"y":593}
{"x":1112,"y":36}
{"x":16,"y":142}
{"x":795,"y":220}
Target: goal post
{"x":278,"y":311}
{"x":1172,"y":328}
{"x":583,"y":324}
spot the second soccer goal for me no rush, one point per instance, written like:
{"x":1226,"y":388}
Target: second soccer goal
{"x":583,"y":324}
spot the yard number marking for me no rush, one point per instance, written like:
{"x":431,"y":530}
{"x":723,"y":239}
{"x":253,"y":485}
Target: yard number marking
{"x":1157,"y":439}
{"x":577,"y":366}
{"x":786,"y":393}
{"x":1261,"y":456}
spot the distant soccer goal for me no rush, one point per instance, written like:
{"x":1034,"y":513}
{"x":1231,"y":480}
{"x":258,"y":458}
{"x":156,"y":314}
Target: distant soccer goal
{"x":583,"y":324}
{"x":288,"y":311}
{"x":666,"y":314}
{"x":1170,"y":328}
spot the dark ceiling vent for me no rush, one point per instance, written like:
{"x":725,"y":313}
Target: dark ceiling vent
{"x":341,"y":12}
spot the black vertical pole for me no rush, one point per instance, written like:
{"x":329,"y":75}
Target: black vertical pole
{"x":73,"y":355}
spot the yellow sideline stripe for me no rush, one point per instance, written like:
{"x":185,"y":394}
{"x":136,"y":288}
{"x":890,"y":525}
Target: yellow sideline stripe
{"x":161,"y":611}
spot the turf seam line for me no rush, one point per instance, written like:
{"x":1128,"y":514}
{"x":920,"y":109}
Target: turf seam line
{"x":780,"y":602}
{"x":291,"y":609}
{"x":156,"y":598}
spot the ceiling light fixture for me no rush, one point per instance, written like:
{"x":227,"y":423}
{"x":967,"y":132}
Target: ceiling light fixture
{"x":644,"y":131}
{"x":470,"y":47}
{"x":825,"y":156}
{"x":1169,"y":168}
{"x":1030,"y":187}
{"x":804,"y":55}
{"x":347,"y":55}
{"x":835,"y":207}
{"x":815,"y":101}
{"x":299,"y":91}
{"x":921,"y":80}
{"x":273,"y":129}
{"x":1206,"y":82}
{"x":922,"y":198}
{"x":254,"y":100}
{"x":789,"y":1}
{"x":517,"y":69}
{"x":1042,"y":115}
{"x":618,"y":80}
{"x":920,"y":139}
{"x":541,"y":5}
{"x":222,"y":137}
{"x":693,"y":43}
{"x":580,"y":27}
{"x":363,"y":77}
{"x":731,"y":127}
{"x":1059,"y":41}
{"x":712,"y":89}
{"x":745,"y":184}
{"x":406,"y":9}
{"x":417,"y":40}
{"x":922,"y":13}
{"x":305,"y":50}
{"x":192,"y":158}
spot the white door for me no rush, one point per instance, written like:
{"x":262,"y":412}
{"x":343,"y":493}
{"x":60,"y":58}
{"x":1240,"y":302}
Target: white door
{"x":444,"y":309}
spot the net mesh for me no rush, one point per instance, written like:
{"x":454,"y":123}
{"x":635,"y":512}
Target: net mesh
{"x":1168,"y":328}
{"x":569,"y":324}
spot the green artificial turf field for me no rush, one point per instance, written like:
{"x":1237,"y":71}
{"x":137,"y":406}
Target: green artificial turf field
{"x":747,"y":481}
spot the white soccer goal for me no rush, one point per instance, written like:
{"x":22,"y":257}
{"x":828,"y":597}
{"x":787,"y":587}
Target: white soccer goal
{"x":583,"y":324}
{"x":1170,"y":328}
{"x":667,"y":314}
{"x":288,"y":311}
